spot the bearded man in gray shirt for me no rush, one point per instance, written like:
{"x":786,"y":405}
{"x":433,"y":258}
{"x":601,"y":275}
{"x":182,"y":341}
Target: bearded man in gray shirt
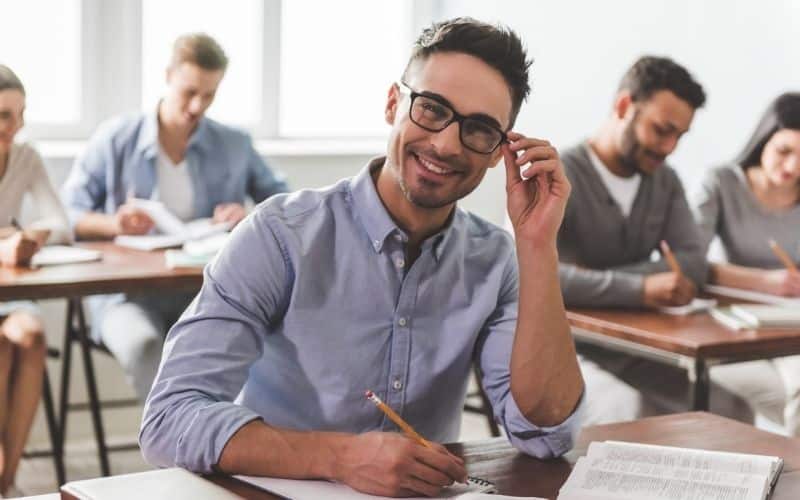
{"x":625,"y":201}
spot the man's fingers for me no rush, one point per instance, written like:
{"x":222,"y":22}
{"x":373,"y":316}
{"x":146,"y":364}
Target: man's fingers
{"x":540,"y":167}
{"x":442,"y":462}
{"x":430,"y":475}
{"x":512,"y":170}
{"x":537,"y":153}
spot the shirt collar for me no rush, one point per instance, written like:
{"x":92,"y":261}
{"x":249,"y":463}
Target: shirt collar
{"x":148,"y":134}
{"x":376,"y":219}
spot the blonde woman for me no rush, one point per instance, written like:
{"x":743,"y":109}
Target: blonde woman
{"x":22,"y":343}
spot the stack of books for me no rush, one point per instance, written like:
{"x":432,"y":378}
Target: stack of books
{"x":614,"y":470}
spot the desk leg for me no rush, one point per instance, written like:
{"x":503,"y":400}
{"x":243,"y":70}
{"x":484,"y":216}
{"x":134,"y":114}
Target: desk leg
{"x":55,"y":438}
{"x":700,"y":385}
{"x":91,"y":386}
{"x":66,"y":369}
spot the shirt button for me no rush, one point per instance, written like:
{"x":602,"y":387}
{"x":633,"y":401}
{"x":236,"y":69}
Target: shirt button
{"x":376,"y":243}
{"x":400,"y":263}
{"x":397,"y":384}
{"x":398,"y":237}
{"x":402,"y":321}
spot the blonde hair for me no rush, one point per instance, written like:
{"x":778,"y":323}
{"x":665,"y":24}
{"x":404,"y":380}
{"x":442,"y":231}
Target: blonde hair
{"x":9,"y":80}
{"x":199,"y":49}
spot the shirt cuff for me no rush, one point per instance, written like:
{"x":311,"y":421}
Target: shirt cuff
{"x":542,"y":442}
{"x":200,"y":448}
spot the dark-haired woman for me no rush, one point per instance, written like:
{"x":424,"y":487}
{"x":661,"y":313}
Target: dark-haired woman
{"x":746,"y":204}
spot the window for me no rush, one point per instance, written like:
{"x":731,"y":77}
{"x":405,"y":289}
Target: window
{"x":300,"y":68}
{"x":237,"y":26}
{"x":45,"y":52}
{"x":336,"y":86}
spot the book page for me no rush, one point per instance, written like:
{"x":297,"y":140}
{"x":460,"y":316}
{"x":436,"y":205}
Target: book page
{"x":763,"y":298}
{"x":695,"y":306}
{"x":61,"y":254}
{"x":604,"y":479}
{"x":684,"y":457}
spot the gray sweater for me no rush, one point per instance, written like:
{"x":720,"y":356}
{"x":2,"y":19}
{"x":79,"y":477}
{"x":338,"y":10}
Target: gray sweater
{"x":605,"y":255}
{"x":726,"y":207}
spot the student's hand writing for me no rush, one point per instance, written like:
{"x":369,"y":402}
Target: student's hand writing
{"x":389,"y":464}
{"x":229,"y":212}
{"x":536,"y":202}
{"x":17,"y":250}
{"x":132,"y":220}
{"x":782,"y":282}
{"x":668,"y":289}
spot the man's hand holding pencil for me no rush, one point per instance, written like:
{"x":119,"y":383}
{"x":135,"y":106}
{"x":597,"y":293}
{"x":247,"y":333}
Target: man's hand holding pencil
{"x":391,"y":464}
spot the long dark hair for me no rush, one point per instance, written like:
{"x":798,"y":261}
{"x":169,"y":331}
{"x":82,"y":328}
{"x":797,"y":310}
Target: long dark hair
{"x":783,"y":112}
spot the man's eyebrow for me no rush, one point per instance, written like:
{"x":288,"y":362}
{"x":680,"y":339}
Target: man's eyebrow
{"x":478,"y":116}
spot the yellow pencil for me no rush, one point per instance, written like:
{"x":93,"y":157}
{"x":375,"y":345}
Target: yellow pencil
{"x":783,"y":256}
{"x":666,"y":251}
{"x":397,"y":419}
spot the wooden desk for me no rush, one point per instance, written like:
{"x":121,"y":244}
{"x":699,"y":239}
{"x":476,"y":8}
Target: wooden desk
{"x":695,"y":342}
{"x":121,"y":270}
{"x":520,"y":475}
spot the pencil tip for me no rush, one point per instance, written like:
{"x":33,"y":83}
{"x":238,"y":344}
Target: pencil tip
{"x":368,"y":394}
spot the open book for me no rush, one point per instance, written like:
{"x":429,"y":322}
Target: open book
{"x":614,"y":470}
{"x":172,"y":232}
{"x":52,"y":255}
{"x":476,"y":489}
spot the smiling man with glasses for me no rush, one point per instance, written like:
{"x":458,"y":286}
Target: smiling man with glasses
{"x":381,"y":283}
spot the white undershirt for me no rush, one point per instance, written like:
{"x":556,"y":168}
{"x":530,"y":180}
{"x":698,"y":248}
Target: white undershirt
{"x":622,"y":189}
{"x":174,"y":186}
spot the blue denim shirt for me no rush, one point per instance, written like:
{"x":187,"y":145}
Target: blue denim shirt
{"x":311,"y":303}
{"x":120,"y":160}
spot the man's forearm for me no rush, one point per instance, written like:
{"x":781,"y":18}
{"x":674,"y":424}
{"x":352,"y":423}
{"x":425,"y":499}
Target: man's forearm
{"x":96,"y":226}
{"x":261,"y":450}
{"x":546,"y":382}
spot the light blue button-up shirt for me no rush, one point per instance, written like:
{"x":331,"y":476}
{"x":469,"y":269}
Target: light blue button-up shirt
{"x":120,"y":160}
{"x":311,"y":303}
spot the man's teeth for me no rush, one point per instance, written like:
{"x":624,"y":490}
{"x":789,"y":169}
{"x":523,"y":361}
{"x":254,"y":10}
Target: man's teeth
{"x":433,"y":168}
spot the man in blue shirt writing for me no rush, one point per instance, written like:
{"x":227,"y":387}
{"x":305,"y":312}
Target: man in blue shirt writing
{"x":195,"y":166}
{"x":380,"y":282}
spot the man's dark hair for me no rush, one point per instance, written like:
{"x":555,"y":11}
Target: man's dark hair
{"x":496,"y":45}
{"x":650,"y":74}
{"x":9,"y":80}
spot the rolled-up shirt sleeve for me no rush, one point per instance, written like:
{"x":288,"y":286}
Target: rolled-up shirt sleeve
{"x":190,"y":414}
{"x":494,"y":358}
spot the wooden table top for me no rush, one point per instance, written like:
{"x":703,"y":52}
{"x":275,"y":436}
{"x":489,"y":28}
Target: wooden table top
{"x":520,"y":475}
{"x":120,"y":270}
{"x":696,"y":335}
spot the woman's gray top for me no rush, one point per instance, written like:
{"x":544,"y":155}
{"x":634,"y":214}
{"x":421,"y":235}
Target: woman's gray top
{"x":727,"y":207}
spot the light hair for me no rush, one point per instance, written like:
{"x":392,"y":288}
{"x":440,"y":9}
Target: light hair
{"x":199,"y":49}
{"x":9,"y":80}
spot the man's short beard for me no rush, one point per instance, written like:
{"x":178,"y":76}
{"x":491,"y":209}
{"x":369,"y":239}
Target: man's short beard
{"x":629,"y":147}
{"x":422,"y":202}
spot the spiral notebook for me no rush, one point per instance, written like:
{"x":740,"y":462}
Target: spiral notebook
{"x":475,"y":489}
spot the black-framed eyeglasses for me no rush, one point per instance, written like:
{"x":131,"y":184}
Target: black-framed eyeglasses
{"x":433,"y":115}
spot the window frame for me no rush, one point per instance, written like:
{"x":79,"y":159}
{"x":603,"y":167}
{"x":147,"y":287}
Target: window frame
{"x":111,"y":44}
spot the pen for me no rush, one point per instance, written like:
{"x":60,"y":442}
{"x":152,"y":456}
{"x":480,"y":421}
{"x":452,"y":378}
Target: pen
{"x":397,"y":419}
{"x":666,"y":251}
{"x":783,"y":256}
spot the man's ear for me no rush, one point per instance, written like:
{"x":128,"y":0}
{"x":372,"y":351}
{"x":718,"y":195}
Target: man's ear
{"x":392,"y":101}
{"x":497,"y":156}
{"x":622,"y":104}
